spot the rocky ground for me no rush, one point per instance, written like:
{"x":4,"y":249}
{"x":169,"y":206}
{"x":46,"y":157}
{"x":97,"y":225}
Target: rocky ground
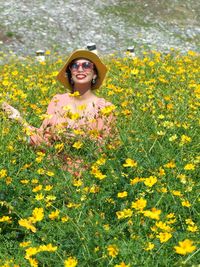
{"x":63,"y":25}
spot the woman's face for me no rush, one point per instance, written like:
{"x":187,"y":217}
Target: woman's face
{"x":82,"y":71}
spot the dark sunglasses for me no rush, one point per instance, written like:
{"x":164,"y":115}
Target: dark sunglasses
{"x":86,"y":66}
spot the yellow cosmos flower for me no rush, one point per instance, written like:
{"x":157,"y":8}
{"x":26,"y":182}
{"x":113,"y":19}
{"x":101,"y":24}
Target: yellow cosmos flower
{"x":39,"y":197}
{"x":164,"y":237}
{"x":59,"y":147}
{"x":65,"y":219}
{"x":185,"y":247}
{"x":122,"y":194}
{"x":71,"y":262}
{"x":150,"y":181}
{"x":33,"y":262}
{"x":25,"y":244}
{"x":170,"y":165}
{"x":125,"y":213}
{"x":149,"y":246}
{"x":112,"y":250}
{"x":97,"y":173}
{"x":153,"y":213}
{"x":74,"y":94}
{"x":37,"y":188}
{"x":6,"y":219}
{"x":134,"y":71}
{"x":49,"y":173}
{"x":185,"y":140}
{"x":3,"y":173}
{"x":189,"y":167}
{"x":130,"y":163}
{"x":139,"y":204}
{"x":38,"y":214}
{"x":108,"y":109}
{"x":77,"y":145}
{"x":186,"y":203}
{"x":27,"y":223}
{"x":54,"y":215}
{"x":122,"y":264}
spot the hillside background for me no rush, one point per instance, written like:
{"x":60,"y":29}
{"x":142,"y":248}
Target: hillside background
{"x":62,"y":26}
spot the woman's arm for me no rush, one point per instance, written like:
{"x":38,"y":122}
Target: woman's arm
{"x":36,"y":135}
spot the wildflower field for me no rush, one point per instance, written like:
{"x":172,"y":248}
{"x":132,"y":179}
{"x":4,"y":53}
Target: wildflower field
{"x":138,"y":201}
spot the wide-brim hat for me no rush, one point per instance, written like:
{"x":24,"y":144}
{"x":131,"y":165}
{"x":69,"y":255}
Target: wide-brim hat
{"x":94,"y":58}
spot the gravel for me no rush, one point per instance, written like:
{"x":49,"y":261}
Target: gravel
{"x":62,"y":26}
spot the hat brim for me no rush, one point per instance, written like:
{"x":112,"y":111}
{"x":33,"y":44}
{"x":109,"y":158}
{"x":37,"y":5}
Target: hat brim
{"x":81,"y":53}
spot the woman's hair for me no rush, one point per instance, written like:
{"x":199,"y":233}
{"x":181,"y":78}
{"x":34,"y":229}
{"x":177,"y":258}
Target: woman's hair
{"x":69,"y":75}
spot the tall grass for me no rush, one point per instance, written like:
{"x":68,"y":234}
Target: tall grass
{"x":137,"y":202}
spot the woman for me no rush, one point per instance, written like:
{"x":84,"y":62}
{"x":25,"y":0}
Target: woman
{"x":81,"y":109}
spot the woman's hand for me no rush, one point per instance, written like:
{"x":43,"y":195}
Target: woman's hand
{"x":11,"y":112}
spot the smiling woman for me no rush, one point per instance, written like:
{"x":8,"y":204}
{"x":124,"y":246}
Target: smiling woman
{"x":80,"y":109}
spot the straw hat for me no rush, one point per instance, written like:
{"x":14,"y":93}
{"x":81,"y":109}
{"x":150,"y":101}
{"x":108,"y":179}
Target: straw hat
{"x":82,"y":53}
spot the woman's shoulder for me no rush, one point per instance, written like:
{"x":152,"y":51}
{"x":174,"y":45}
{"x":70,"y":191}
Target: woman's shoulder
{"x":61,"y":98}
{"x":102,"y":102}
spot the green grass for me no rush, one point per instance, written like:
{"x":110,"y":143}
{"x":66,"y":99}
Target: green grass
{"x":100,"y":222}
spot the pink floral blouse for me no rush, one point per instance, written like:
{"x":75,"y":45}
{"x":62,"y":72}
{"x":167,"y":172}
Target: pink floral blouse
{"x":58,"y":119}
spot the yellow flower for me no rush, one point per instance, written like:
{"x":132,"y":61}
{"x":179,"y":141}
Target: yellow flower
{"x":30,"y":252}
{"x":71,"y":262}
{"x":106,"y":227}
{"x":3,"y":173}
{"x":192,"y":228}
{"x":77,"y":182}
{"x":122,"y":194}
{"x":54,"y":214}
{"x":49,"y":173}
{"x":39,"y":197}
{"x":6,"y":219}
{"x":112,"y":250}
{"x":150,"y":181}
{"x":186,"y":203}
{"x":48,"y":52}
{"x":78,"y":145}
{"x":125,"y":213}
{"x":185,"y":247}
{"x":48,"y":187}
{"x":164,"y":237}
{"x":25,"y":244}
{"x":74,"y":94}
{"x":65,"y":219}
{"x":27,"y":223}
{"x":122,"y":264}
{"x":108,"y":109}
{"x":37,"y":188}
{"x":189,"y":167}
{"x":185,"y":139}
{"x":59,"y":147}
{"x":97,"y":173}
{"x":38,"y":214}
{"x":47,"y":247}
{"x":149,"y":246}
{"x":134,"y":71}
{"x":163,"y":226}
{"x":139,"y":204}
{"x":176,"y":193}
{"x":170,"y":165}
{"x":153,"y":213}
{"x":33,"y":262}
{"x":130,"y":163}
{"x":136,"y":180}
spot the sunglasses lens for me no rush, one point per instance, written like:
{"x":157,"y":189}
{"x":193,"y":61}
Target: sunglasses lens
{"x":74,"y":66}
{"x":85,"y":66}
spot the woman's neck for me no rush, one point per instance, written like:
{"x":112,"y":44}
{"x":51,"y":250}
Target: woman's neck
{"x":85,"y":97}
